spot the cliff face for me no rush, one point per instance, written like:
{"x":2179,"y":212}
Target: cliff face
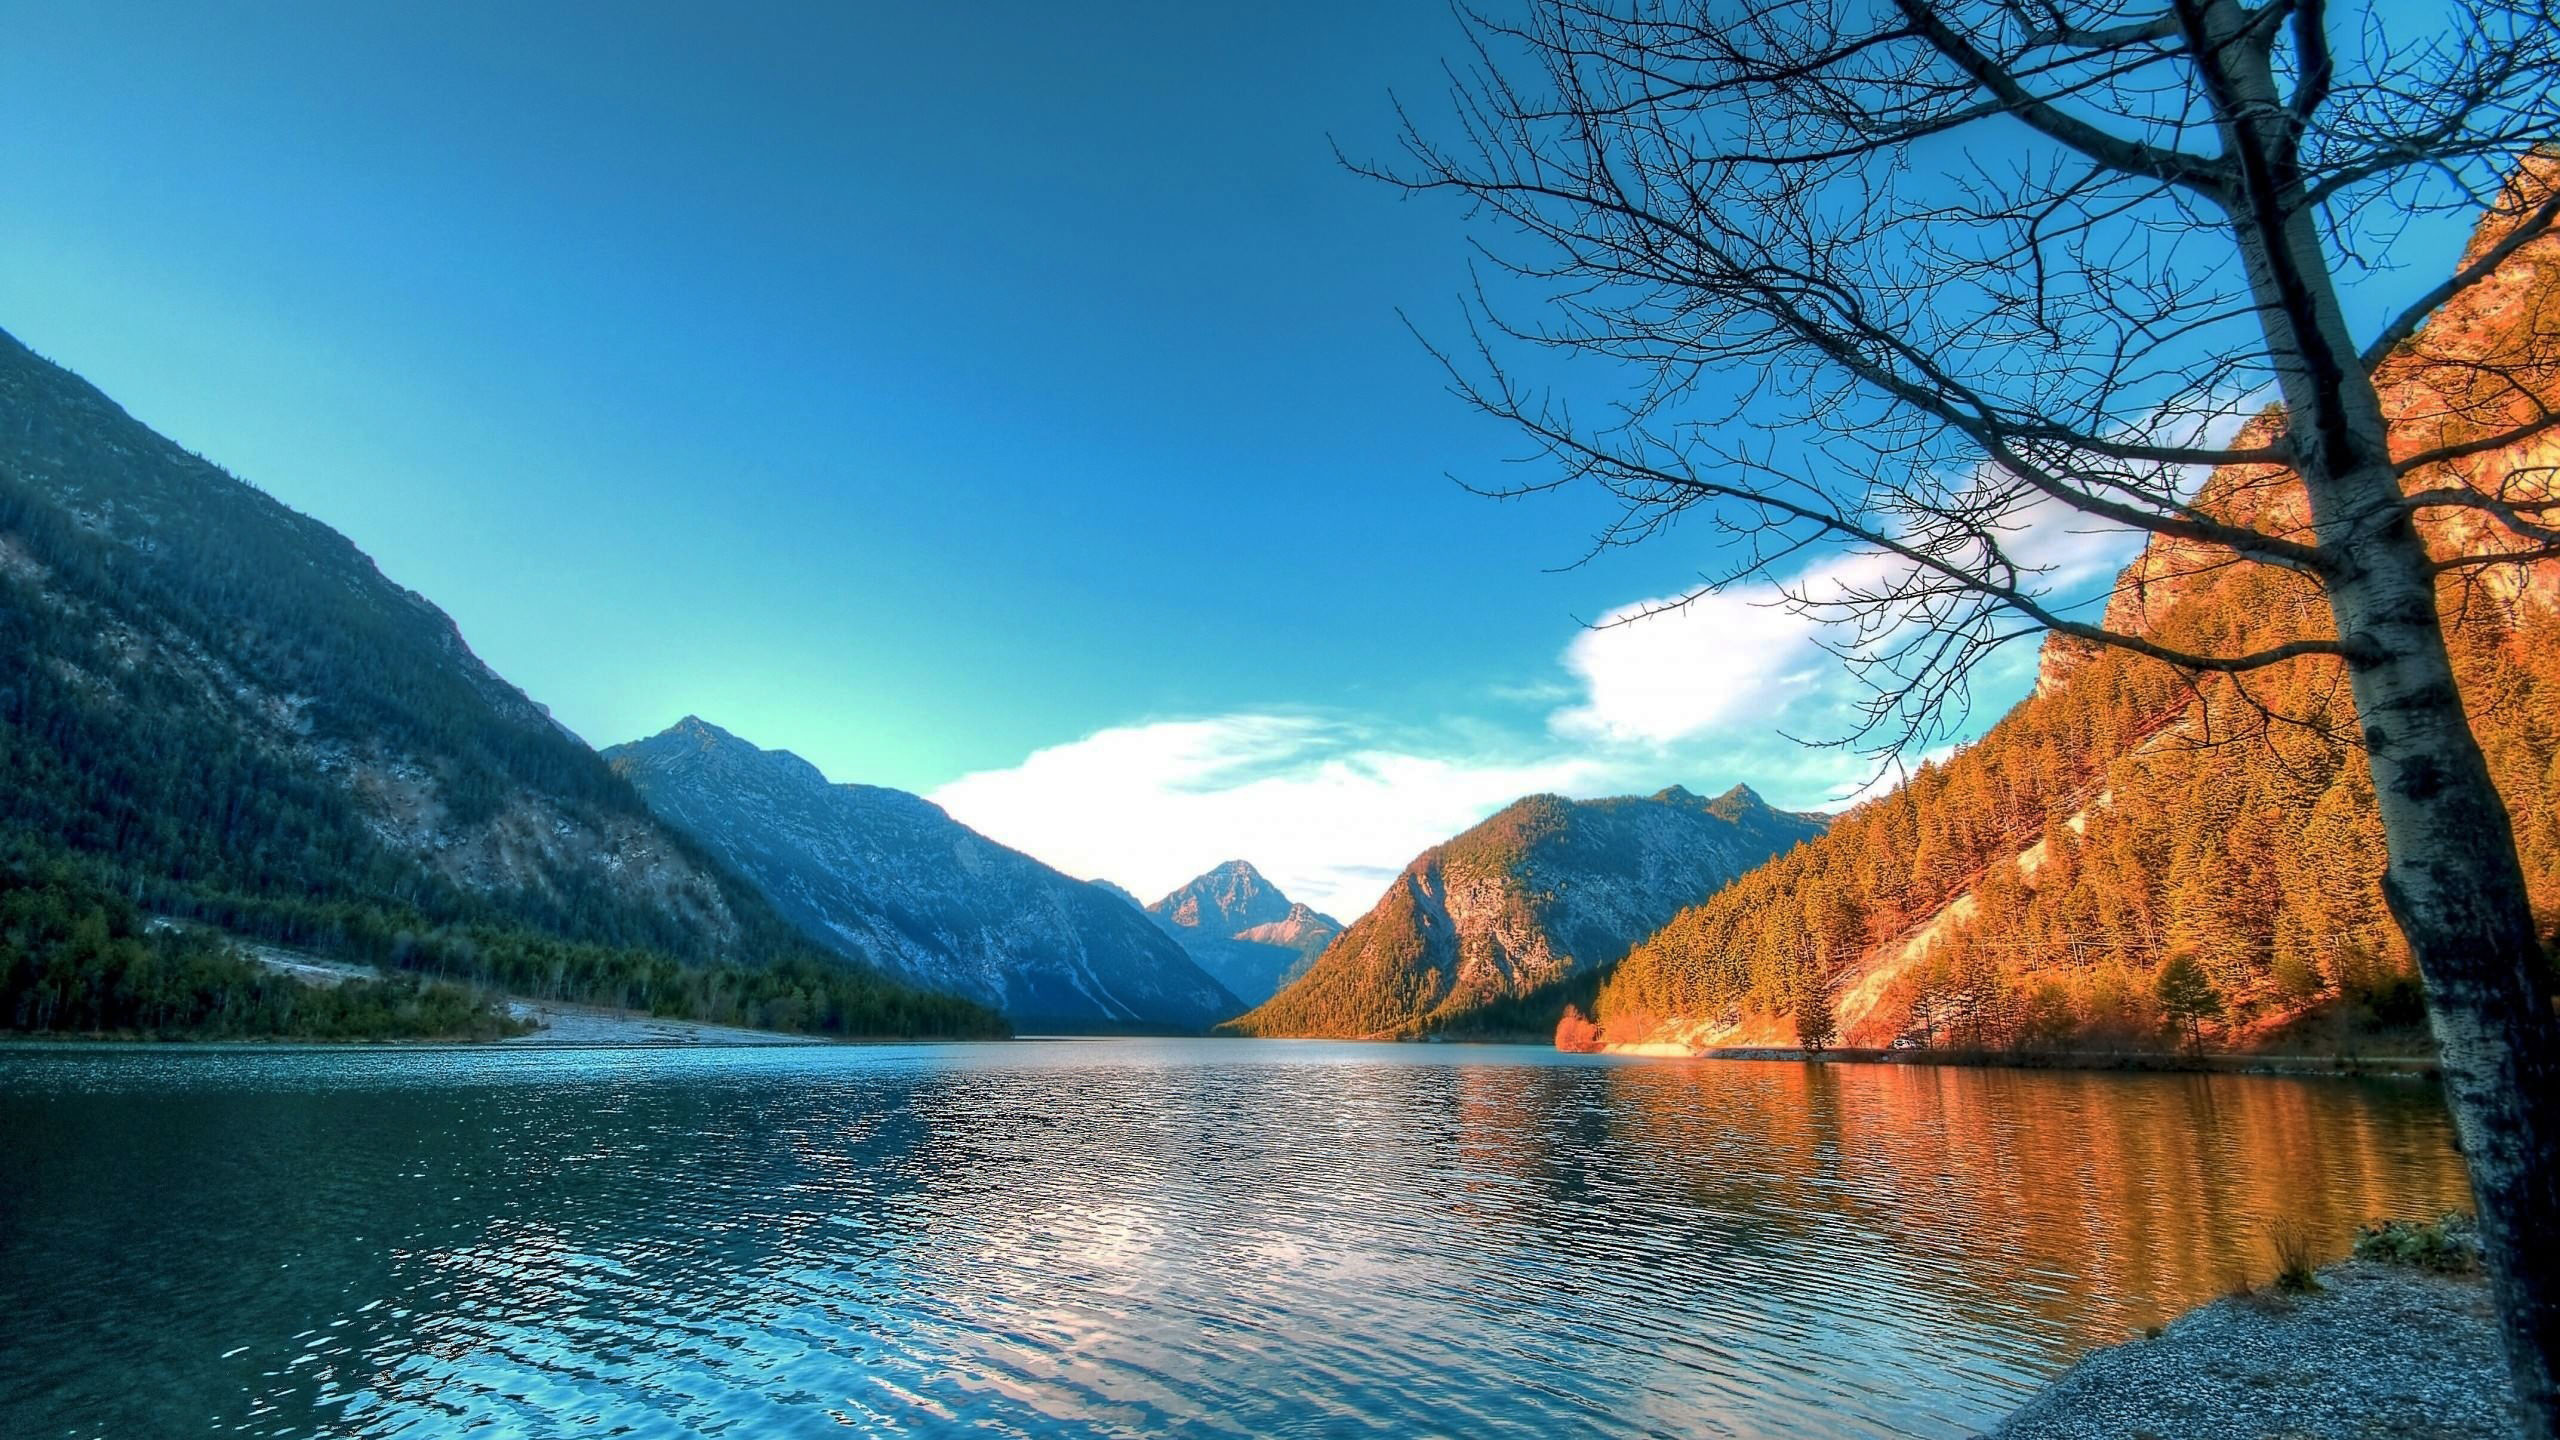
{"x":886,"y":877}
{"x":2027,"y":890}
{"x":1545,"y":891}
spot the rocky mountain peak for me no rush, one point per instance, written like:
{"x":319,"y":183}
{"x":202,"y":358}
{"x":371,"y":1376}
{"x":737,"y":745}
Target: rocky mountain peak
{"x":700,"y":731}
{"x":1228,"y":897}
{"x":707,"y":755}
{"x":1541,"y":892}
{"x":1737,"y":802}
{"x":1242,"y":930}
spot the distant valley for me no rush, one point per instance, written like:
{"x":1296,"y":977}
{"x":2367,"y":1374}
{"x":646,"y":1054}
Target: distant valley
{"x":218,"y":719}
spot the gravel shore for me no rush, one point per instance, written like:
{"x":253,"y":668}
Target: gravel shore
{"x":585,"y":1026}
{"x":2378,"y":1351}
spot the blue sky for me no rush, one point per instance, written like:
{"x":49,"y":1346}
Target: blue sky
{"x":1005,"y":402}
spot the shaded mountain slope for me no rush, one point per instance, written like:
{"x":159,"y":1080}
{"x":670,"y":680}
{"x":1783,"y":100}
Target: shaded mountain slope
{"x":220,"y":709}
{"x":887,"y":878}
{"x":1118,"y":892}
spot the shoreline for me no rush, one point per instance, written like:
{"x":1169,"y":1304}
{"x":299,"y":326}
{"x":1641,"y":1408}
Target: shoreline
{"x":564,"y":1027}
{"x":100,"y":1044}
{"x":2375,"y":1349}
{"x":586,"y":1027}
{"x":2169,"y":1062}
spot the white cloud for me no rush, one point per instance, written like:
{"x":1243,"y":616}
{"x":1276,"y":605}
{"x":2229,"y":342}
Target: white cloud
{"x":1672,"y":669}
{"x":1740,"y":661}
{"x":1654,"y":675}
{"x":1702,"y":693}
{"x":2079,"y":554}
{"x":1329,"y":808}
{"x":2075,"y":550}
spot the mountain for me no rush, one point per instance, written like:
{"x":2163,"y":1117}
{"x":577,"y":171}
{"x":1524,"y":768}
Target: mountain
{"x":1244,"y":931}
{"x":1118,"y":892}
{"x":2028,"y":891}
{"x":220,"y":710}
{"x":887,"y":878}
{"x":1541,"y":896}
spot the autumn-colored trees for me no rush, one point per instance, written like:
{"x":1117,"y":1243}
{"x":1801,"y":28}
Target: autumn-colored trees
{"x":1577,"y":1032}
{"x":2116,"y":818}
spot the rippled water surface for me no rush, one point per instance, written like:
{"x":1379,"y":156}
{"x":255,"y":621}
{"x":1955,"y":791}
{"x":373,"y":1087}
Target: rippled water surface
{"x":1124,"y":1237}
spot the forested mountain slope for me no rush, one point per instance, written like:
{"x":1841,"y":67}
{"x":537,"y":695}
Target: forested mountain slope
{"x":1544,"y":893}
{"x":2029,"y":890}
{"x":887,"y":878}
{"x":218,"y":708}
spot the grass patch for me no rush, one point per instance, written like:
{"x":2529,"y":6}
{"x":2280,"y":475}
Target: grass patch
{"x":2297,"y":1270}
{"x":2450,"y":1246}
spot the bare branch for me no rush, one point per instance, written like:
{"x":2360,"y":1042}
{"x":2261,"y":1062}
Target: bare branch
{"x":2531,"y":226}
{"x":2482,"y":445}
{"x":2131,"y":157}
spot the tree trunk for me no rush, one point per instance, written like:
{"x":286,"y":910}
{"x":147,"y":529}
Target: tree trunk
{"x":2457,"y":892}
{"x":2452,"y":879}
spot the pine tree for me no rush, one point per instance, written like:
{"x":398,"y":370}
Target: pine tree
{"x":1817,"y":1017}
{"x":2187,"y":997}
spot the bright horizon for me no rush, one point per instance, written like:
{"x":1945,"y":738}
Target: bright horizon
{"x":1042,"y":439}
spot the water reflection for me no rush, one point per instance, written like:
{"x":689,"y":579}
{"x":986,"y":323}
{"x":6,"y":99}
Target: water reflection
{"x":1125,"y":1237}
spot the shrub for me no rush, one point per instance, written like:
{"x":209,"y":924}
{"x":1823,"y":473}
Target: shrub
{"x":2295,"y":978}
{"x":1577,"y":1032}
{"x":2450,"y":1246}
{"x":2046,"y":1020}
{"x":2395,"y":1002}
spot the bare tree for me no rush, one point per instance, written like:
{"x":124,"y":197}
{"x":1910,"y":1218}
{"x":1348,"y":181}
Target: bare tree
{"x":1997,"y":261}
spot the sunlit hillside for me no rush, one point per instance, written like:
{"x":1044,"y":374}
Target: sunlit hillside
{"x":2026,"y":891}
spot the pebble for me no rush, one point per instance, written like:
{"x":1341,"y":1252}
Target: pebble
{"x":2377,"y":1351}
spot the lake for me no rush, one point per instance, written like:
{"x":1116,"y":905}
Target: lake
{"x":1125,"y":1237}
